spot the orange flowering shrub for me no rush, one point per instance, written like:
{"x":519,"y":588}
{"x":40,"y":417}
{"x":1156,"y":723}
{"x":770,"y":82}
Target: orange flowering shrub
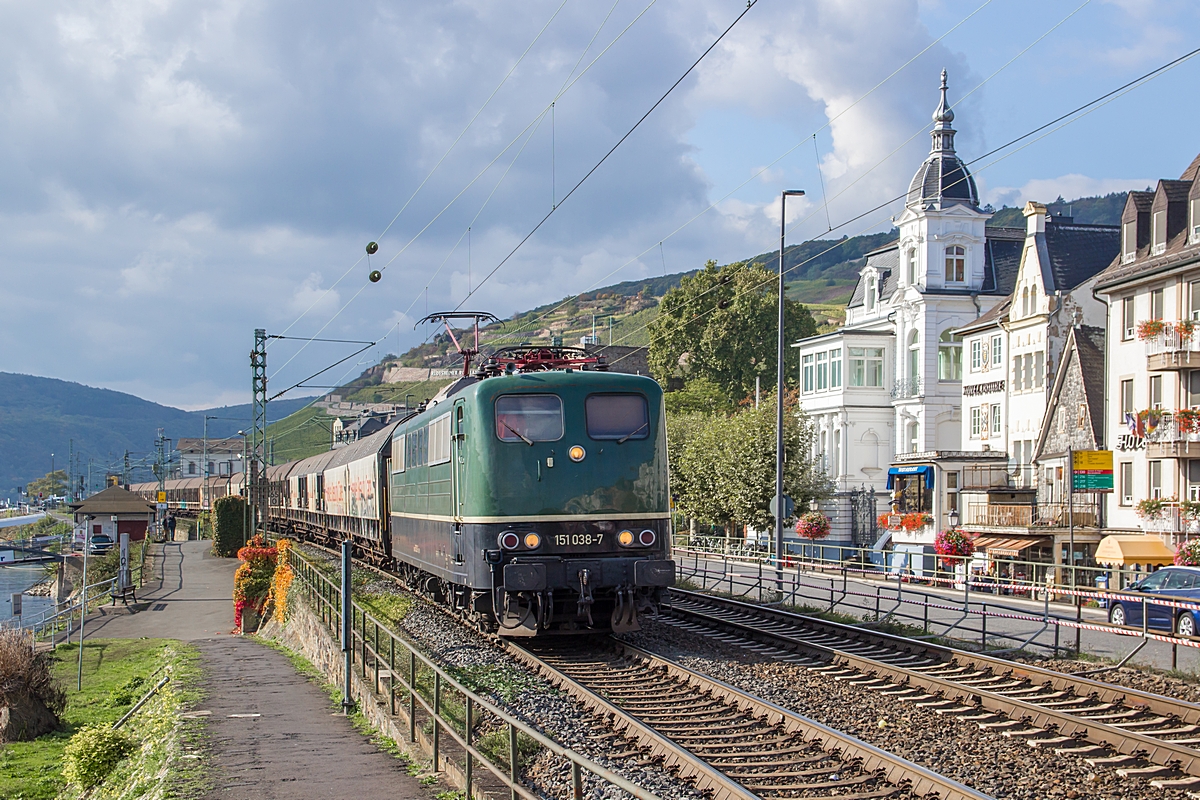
{"x":252,"y":581}
{"x":282,"y":580}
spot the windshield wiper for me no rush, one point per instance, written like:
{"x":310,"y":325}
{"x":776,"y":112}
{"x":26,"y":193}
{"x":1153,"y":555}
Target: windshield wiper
{"x":629,"y":435}
{"x":510,"y":429}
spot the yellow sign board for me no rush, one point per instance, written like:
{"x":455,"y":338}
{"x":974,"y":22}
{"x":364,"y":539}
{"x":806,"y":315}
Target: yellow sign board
{"x":1092,"y":471}
{"x":162,"y":497}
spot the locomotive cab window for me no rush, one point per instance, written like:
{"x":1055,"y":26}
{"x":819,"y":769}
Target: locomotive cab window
{"x":529,"y":418}
{"x":617,"y":416}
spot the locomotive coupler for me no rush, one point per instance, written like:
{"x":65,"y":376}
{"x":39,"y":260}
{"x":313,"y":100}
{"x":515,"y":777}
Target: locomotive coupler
{"x":584,"y":605}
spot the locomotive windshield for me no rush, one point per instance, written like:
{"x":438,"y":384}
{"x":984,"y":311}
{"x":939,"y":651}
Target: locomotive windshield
{"x":529,"y":418}
{"x":617,"y":416}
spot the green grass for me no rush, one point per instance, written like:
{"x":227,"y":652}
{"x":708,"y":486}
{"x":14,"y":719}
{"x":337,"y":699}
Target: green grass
{"x":33,"y":770}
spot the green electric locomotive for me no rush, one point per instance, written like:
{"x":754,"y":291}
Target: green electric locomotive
{"x":534,"y":499}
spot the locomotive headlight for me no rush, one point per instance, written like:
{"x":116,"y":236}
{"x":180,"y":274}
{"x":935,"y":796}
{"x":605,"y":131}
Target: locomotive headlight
{"x":509,"y":540}
{"x":646,"y":537}
{"x":576,"y":453}
{"x":533,"y":541}
{"x":625,"y":538}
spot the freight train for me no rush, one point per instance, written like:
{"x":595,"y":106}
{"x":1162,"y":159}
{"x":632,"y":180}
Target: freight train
{"x":530,"y":498}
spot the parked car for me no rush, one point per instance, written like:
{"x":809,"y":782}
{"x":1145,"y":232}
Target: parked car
{"x":1170,"y":583}
{"x":101,"y":543}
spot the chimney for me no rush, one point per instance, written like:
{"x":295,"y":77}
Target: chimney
{"x":1035,"y":218}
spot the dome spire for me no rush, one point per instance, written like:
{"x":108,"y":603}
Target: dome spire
{"x":943,"y":179}
{"x":943,"y":134}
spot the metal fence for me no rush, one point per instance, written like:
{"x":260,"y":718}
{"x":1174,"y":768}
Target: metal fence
{"x":401,"y":675}
{"x":954,"y":602}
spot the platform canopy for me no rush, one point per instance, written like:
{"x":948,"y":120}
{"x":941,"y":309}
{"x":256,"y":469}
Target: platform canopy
{"x":1123,"y":550}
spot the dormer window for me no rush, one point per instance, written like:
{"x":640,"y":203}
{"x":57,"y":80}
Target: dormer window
{"x":956,"y":264}
{"x":1159,"y":234}
{"x":1194,"y":220}
{"x":872,"y":293}
{"x":1128,"y":241}
{"x":912,"y":267}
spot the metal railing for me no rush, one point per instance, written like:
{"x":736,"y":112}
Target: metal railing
{"x":999,"y":515}
{"x":910,"y":387}
{"x":965,"y":604}
{"x":449,"y":708}
{"x":1172,"y":341}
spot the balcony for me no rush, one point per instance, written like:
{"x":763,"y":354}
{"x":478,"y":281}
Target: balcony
{"x":1176,"y":347}
{"x":1171,"y":526}
{"x":903,"y":389}
{"x":1043,"y":515}
{"x":1176,"y":434}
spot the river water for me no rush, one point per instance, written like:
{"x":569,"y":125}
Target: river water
{"x":18,"y":578}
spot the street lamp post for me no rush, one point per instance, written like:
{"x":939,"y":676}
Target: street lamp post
{"x":246,"y":491}
{"x":205,"y":501}
{"x":779,"y":373}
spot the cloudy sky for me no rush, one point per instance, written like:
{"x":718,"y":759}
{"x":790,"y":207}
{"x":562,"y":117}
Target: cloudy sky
{"x":176,"y":174}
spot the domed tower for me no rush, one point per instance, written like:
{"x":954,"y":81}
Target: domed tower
{"x":943,"y":179}
{"x":942,"y":227}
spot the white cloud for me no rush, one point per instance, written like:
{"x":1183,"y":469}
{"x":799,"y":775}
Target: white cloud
{"x":1068,"y":187}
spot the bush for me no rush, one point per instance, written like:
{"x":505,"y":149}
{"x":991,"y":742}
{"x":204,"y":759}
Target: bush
{"x":254,"y":578}
{"x":25,"y":674}
{"x":92,"y":753}
{"x":229,"y":525}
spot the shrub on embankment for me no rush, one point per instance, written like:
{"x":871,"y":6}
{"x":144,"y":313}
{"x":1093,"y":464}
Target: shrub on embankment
{"x":229,"y":525}
{"x":31,"y":701}
{"x":253,"y":580}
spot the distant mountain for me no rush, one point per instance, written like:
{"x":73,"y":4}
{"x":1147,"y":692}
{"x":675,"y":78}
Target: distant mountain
{"x":1096,"y":210}
{"x":40,"y":416}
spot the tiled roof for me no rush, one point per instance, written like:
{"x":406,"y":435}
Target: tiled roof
{"x":1077,"y":252}
{"x":942,"y":178}
{"x":1178,"y":253}
{"x":1189,"y":174}
{"x":988,"y":318}
{"x":1089,"y":347}
{"x":230,"y":445}
{"x":113,"y":500}
{"x":1176,"y":191}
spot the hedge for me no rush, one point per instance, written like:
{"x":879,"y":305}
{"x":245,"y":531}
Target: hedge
{"x":229,"y":521}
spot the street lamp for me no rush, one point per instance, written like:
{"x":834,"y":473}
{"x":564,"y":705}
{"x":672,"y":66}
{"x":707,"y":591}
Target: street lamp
{"x":779,"y":373}
{"x":953,"y":518}
{"x":246,"y":491}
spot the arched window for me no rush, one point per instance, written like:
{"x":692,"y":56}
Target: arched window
{"x":1025,"y":302}
{"x":949,"y":357}
{"x":914,"y":437}
{"x":914,"y":361}
{"x":912,"y":267}
{"x":871,"y":293}
{"x":1033,"y":303}
{"x":956,"y":264}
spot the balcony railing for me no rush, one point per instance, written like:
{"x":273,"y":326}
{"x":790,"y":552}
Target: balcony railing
{"x":1173,"y":339}
{"x":1169,"y":426}
{"x":1045,"y":515}
{"x":907,"y":388}
{"x":999,"y":516}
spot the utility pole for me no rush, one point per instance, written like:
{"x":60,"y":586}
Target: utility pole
{"x":258,"y":431}
{"x":125,"y":473}
{"x":779,"y":373}
{"x":71,"y":471}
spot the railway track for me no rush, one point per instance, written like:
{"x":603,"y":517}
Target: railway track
{"x":731,"y":744}
{"x":1073,"y":715}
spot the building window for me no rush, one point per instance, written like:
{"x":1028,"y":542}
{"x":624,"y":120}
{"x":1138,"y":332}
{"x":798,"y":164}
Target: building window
{"x":1126,"y":486}
{"x":1193,"y":389}
{"x":997,"y":350}
{"x":912,"y":266}
{"x":1039,"y":369}
{"x":1126,"y":398}
{"x":956,"y":264}
{"x":871,"y":293}
{"x":1156,"y":304}
{"x":1082,"y":422}
{"x":822,"y":371}
{"x":914,"y":358}
{"x":191,"y":468}
{"x":995,"y":419}
{"x":1194,"y":301}
{"x":1156,"y":391}
{"x":951,"y":491}
{"x":808,"y":373}
{"x":1033,"y":301}
{"x":1016,"y":374}
{"x":866,"y":366}
{"x":1158,"y":232}
{"x":976,"y":356}
{"x":1127,"y":318}
{"x":1155,"y":482}
{"x":1194,"y":220}
{"x":976,"y":421}
{"x":914,"y":437}
{"x":949,"y":357}
{"x":1193,"y":476}
{"x":1128,"y":241}
{"x":835,"y":369}
{"x":210,"y":468}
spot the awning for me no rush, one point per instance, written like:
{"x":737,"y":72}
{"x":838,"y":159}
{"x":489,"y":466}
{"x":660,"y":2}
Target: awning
{"x":912,"y":469}
{"x":1002,"y":546}
{"x":1122,"y":550}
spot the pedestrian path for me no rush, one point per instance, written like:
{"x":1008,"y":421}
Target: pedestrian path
{"x":273,"y":733}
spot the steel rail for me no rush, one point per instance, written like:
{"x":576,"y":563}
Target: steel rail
{"x":1116,"y":699}
{"x":895,"y":770}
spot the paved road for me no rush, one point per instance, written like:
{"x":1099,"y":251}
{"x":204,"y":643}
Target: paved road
{"x":861,"y":593}
{"x":274,"y":734}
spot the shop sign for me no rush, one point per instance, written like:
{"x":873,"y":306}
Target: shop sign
{"x":1092,"y":471}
